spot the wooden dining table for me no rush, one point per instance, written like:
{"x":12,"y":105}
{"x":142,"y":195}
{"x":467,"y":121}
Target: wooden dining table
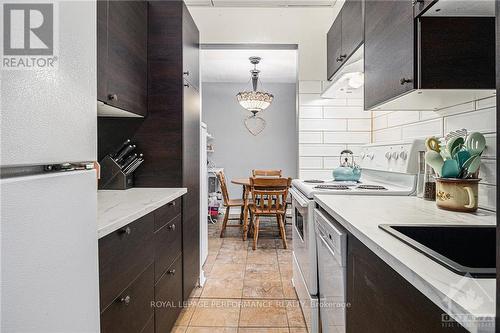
{"x":245,"y":183}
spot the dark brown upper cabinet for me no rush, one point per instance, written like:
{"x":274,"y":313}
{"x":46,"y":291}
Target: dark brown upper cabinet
{"x":345,"y":36}
{"x":122,"y":37}
{"x":426,"y":63}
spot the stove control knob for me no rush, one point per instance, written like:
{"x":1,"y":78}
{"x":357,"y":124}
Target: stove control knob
{"x":403,"y":155}
{"x":388,"y":155}
{"x":395,"y":155}
{"x":363,"y":155}
{"x":370,"y":156}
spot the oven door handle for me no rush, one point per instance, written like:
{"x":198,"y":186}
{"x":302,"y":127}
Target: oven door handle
{"x":297,"y":196}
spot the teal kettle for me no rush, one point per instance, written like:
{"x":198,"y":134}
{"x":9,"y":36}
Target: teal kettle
{"x":348,"y":169}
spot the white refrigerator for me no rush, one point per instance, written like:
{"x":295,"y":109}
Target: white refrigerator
{"x":48,"y":231}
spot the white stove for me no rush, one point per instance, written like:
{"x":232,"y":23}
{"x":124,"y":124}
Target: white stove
{"x":386,"y":169}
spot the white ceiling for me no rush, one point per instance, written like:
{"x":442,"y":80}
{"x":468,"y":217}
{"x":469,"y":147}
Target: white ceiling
{"x":261,"y":3}
{"x":277,"y":66}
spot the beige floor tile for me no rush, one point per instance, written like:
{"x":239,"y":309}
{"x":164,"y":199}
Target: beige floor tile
{"x":288,"y":289}
{"x":294,"y":314}
{"x":263,"y":272}
{"x":179,"y":329}
{"x":227,"y":271}
{"x":193,"y":329}
{"x":222,"y":288}
{"x":263,"y":313}
{"x":264,"y":243}
{"x":231,"y":258}
{"x":298,"y":330}
{"x":186,"y":313}
{"x":259,"y":288}
{"x":284,"y":256}
{"x":196,"y":292}
{"x":263,"y":330}
{"x":216,"y":312}
{"x":262,"y":256}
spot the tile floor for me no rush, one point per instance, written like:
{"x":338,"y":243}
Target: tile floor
{"x":246,"y":291}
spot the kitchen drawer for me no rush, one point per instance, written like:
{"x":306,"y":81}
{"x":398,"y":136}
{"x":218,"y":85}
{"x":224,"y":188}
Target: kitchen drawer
{"x":123,"y":255}
{"x":168,"y":297}
{"x":167,"y":212}
{"x":130,"y":311}
{"x":168,"y":245}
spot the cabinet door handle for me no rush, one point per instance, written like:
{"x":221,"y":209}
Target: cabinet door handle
{"x":113,"y":97}
{"x":171,"y":227}
{"x":414,"y":2}
{"x":404,"y":80}
{"x":186,"y":85}
{"x":126,"y":231}
{"x":341,"y":57}
{"x":125,"y":300}
{"x":186,"y":73}
{"x":171,"y":272}
{"x":171,"y":204}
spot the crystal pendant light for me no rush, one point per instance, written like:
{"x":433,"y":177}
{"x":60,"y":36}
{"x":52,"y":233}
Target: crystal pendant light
{"x":254,"y":101}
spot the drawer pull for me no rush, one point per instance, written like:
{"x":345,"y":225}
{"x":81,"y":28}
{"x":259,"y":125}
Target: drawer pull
{"x":171,"y":272}
{"x":404,"y":80}
{"x":171,"y":227}
{"x":125,"y":300}
{"x":186,"y":73}
{"x":171,"y":204}
{"x":113,"y":97}
{"x":126,"y":231}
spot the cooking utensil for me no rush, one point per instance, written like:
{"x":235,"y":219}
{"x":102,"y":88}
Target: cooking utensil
{"x":135,"y":166}
{"x":124,"y":153}
{"x":454,"y":144}
{"x":455,"y":134}
{"x":475,"y":143}
{"x":461,"y":157}
{"x":123,"y":145}
{"x":433,"y":143}
{"x":435,"y":160}
{"x":127,"y":161}
{"x":450,"y":169}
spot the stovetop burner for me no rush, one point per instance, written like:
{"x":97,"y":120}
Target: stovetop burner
{"x":332,"y":187}
{"x":371,"y":187}
{"x":314,"y":181}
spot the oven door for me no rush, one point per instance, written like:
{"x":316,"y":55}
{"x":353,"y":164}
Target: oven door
{"x":304,"y":240}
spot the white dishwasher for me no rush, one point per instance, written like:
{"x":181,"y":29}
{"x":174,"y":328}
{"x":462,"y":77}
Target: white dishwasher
{"x":331,"y":241}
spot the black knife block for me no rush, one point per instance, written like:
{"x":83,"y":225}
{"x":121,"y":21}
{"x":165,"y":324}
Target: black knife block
{"x":112,"y":177}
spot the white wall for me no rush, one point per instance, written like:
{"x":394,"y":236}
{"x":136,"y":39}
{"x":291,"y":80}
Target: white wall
{"x":474,"y":116}
{"x":236,"y":149}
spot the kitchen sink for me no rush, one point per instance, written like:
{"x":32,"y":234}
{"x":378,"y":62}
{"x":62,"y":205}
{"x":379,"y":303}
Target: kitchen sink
{"x":464,"y":249}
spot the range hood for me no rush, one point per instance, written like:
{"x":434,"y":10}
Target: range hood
{"x":348,"y":80}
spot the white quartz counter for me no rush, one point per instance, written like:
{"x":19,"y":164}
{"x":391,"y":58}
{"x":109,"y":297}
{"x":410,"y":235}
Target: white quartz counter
{"x":116,"y":209}
{"x":456,"y":295}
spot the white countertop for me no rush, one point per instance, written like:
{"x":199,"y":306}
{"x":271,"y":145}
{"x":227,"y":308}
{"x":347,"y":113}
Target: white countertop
{"x":116,"y":209}
{"x":455,"y":294}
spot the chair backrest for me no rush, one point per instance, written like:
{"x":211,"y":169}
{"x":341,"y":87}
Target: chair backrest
{"x":270,"y":194}
{"x":223,"y":186}
{"x":266,"y":173}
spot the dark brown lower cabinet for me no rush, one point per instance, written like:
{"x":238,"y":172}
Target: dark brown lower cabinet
{"x":382,"y":301}
{"x":168,"y":297}
{"x":141,"y":273}
{"x":131,"y":310}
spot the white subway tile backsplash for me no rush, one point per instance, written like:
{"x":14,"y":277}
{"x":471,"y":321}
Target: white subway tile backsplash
{"x":310,"y":112}
{"x":379,"y":122}
{"x":423,"y":129}
{"x":315,"y":174}
{"x":311,"y":163}
{"x":426,"y":115}
{"x":359,"y":124}
{"x":486,"y":103}
{"x":323,"y":124}
{"x":310,"y":137}
{"x":316,"y":100}
{"x":460,"y":108}
{"x":388,"y":134}
{"x":483,"y":121}
{"x":320,"y":150}
{"x":310,"y":87}
{"x":346,"y":137}
{"x":355,"y":102}
{"x":331,"y":162}
{"x":487,"y":197}
{"x":402,"y":118}
{"x":488,"y":171}
{"x":345,"y":112}
{"x":491,"y":146}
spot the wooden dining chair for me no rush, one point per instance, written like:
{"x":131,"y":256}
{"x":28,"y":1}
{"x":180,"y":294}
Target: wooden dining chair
{"x":269,"y":199}
{"x":228,"y":203}
{"x":266,"y":173}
